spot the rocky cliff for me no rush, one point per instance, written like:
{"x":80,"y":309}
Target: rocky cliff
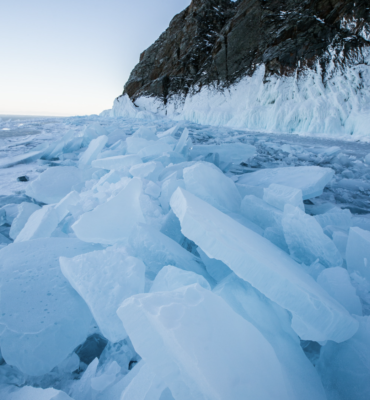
{"x":218,"y":42}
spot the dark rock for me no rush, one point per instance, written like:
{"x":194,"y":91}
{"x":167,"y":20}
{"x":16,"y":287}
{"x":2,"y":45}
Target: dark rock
{"x":217,"y":42}
{"x":23,"y":178}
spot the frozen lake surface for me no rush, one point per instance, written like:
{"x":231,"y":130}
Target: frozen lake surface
{"x":152,"y":259}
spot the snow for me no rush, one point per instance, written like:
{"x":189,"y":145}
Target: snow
{"x":105,"y":235}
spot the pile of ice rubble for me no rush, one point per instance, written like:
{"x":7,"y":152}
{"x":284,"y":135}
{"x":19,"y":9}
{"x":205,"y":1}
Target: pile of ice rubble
{"x":144,"y":268}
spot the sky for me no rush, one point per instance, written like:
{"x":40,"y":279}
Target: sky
{"x":73,"y":57}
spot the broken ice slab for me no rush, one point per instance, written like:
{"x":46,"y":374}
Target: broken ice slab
{"x":345,"y":367}
{"x":118,"y":163}
{"x":157,"y":250}
{"x":146,"y":132}
{"x":150,"y":170}
{"x":25,"y":210}
{"x":11,"y":392}
{"x":155,"y":149}
{"x":91,"y":153}
{"x":307,"y":241}
{"x":53,"y":184}
{"x":358,"y":252}
{"x":172,"y":278}
{"x":113,"y":221}
{"x":311,"y":180}
{"x":274,"y":324}
{"x":197,"y":346}
{"x":227,"y":152}
{"x":110,"y":274}
{"x":261,"y":213}
{"x":335,"y":217}
{"x":41,"y":224}
{"x":279,"y":195}
{"x":315,"y":315}
{"x":209,"y":183}
{"x":8,"y":162}
{"x":337,"y":283}
{"x":42,"y":318}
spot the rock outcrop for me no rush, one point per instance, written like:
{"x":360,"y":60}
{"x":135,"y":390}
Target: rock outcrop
{"x":218,"y":42}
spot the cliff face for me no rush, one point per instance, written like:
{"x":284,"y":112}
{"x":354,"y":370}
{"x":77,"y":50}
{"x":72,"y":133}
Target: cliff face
{"x":218,"y":42}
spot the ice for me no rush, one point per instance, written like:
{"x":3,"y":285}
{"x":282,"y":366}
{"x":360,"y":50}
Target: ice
{"x":183,"y":141}
{"x":152,"y":189}
{"x":246,"y":190}
{"x":340,"y":239}
{"x":54,"y":184}
{"x":170,"y":132}
{"x":158,"y":250}
{"x":307,"y":241}
{"x":261,"y":213}
{"x":345,"y":367}
{"x":337,"y":283}
{"x":91,"y":153}
{"x":146,"y":132}
{"x":41,"y":224}
{"x":358,"y":252}
{"x":66,"y":204}
{"x":335,"y":217}
{"x":135,"y":144}
{"x":217,"y":269}
{"x":32,"y":393}
{"x":11,"y":212}
{"x":274,"y":324}
{"x":367,"y":159}
{"x":181,"y":335}
{"x":172,"y":278}
{"x":114,"y":220}
{"x":8,"y":162}
{"x":42,"y":318}
{"x":311,"y":180}
{"x":150,"y":170}
{"x":109,"y":274}
{"x":168,"y":188}
{"x":227,"y":152}
{"x":208,"y":182}
{"x":279,"y":195}
{"x":118,"y":163}
{"x":156,"y":149}
{"x":315,"y":315}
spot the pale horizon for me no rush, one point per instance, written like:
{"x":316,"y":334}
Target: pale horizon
{"x":67,"y":58}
